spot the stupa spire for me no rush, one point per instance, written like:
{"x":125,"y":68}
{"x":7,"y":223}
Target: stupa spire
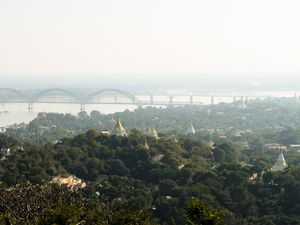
{"x":191,"y":129}
{"x":280,"y":163}
{"x":120,"y":130}
{"x":152,"y":132}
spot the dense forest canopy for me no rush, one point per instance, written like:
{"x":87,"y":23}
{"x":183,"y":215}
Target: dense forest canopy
{"x":219,"y":175}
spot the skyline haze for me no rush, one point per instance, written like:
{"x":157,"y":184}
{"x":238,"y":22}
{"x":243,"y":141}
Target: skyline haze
{"x":75,"y":38}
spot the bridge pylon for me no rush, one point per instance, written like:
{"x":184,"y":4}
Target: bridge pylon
{"x":212,"y":100}
{"x":82,"y":107}
{"x":191,"y":99}
{"x":115,"y":97}
{"x":30,"y":107}
{"x":140,"y":105}
{"x":171,"y":100}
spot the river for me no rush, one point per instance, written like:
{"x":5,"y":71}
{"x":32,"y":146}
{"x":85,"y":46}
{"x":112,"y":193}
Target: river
{"x":11,"y":113}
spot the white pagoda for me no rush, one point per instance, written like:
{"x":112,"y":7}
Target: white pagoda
{"x":280,"y":164}
{"x":211,"y":143}
{"x":190,"y":130}
{"x":120,"y":130}
{"x":152,"y":132}
{"x":175,"y":140}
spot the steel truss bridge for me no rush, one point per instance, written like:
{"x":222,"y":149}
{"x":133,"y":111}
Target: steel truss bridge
{"x":110,"y":96}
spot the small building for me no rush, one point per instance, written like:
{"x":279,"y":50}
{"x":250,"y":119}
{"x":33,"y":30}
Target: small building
{"x":4,"y":152}
{"x":180,"y":167}
{"x":253,"y":177}
{"x":2,"y":129}
{"x":221,"y":113}
{"x":246,"y":145}
{"x":295,"y":147}
{"x":71,"y":182}
{"x":57,"y":142}
{"x":275,"y":146}
{"x":105,"y":133}
{"x":158,"y":157}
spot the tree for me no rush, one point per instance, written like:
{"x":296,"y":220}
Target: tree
{"x":199,"y":213}
{"x":167,"y":187}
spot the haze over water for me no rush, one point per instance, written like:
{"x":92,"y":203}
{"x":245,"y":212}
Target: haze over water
{"x":18,"y":112}
{"x":174,"y":46}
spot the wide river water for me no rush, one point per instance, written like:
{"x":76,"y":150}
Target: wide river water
{"x":11,"y":113}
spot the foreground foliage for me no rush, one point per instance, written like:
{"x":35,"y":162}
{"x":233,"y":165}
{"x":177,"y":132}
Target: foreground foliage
{"x":183,"y":181}
{"x":127,"y":182}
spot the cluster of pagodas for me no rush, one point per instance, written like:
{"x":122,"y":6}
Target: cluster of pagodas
{"x":121,"y":131}
{"x":279,"y":165}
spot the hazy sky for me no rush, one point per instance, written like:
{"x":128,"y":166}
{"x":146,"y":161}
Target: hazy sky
{"x":99,"y":37}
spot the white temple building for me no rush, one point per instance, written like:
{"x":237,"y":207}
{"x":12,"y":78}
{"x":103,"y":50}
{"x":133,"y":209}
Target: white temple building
{"x":120,"y":130}
{"x":280,"y":164}
{"x":71,"y":182}
{"x":190,"y":130}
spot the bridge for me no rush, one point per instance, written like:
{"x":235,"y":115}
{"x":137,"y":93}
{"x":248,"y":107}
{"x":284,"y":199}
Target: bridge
{"x":111,"y":96}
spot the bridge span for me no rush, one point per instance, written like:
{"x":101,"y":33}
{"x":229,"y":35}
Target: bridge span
{"x":113,"y":96}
